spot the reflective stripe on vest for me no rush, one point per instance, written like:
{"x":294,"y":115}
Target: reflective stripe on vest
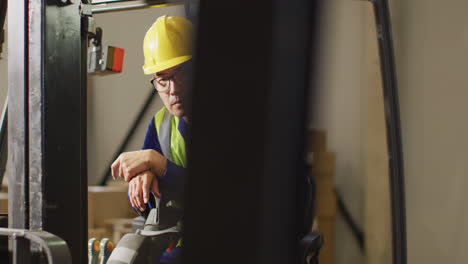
{"x":170,"y":139}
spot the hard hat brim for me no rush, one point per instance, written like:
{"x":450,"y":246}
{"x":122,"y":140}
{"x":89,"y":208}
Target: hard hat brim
{"x":166,"y":65}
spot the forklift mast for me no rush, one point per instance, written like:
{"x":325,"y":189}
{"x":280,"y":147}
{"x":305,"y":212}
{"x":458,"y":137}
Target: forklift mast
{"x":247,"y":204}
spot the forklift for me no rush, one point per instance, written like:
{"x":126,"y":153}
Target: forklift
{"x":261,"y":213}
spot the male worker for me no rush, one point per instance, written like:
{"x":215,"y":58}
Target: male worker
{"x":161,"y":164}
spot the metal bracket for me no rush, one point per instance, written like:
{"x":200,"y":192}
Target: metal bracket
{"x":55,"y":248}
{"x":65,"y":2}
{"x":122,"y":5}
{"x":88,"y":25}
{"x":86,"y":10}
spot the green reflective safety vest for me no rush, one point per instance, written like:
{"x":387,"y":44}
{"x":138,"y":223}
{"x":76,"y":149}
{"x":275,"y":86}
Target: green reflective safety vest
{"x":170,"y":139}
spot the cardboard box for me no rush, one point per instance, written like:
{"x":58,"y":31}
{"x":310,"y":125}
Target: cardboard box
{"x":105,"y":203}
{"x":3,"y":203}
{"x":324,"y":183}
{"x":322,"y":173}
{"x":323,"y":164}
{"x":325,"y":204}
{"x":326,"y":226}
{"x":317,"y":141}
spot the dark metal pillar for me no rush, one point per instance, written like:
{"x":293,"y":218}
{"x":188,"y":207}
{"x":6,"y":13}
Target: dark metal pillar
{"x":47,"y":88}
{"x":247,"y":153}
{"x":61,"y":176}
{"x":393,"y":127}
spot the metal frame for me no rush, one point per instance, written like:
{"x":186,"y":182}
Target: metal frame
{"x":47,"y":141}
{"x":3,"y":140}
{"x":393,"y":126}
{"x":55,"y":249}
{"x":116,"y":5}
{"x":246,"y":160}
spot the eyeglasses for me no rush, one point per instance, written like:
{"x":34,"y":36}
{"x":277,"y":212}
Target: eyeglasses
{"x":162,"y":83}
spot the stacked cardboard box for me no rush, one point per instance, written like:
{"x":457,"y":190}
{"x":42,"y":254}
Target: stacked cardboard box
{"x":3,"y":203}
{"x":104,"y":204}
{"x":322,"y":164}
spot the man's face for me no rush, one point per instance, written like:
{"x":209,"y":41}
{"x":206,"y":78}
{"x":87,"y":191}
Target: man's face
{"x":171,"y":85}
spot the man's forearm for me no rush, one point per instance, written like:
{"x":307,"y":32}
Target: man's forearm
{"x":157,"y":163}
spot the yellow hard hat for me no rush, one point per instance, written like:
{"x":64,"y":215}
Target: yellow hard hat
{"x":167,"y":43}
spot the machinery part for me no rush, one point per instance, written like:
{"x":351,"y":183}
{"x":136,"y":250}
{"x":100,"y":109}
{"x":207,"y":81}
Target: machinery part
{"x":96,"y":40}
{"x":86,"y":9}
{"x":167,"y":43}
{"x":107,"y":246}
{"x":147,"y":245}
{"x":149,"y":233}
{"x":108,"y":1}
{"x":106,"y":6}
{"x":138,"y":223}
{"x":55,"y":248}
{"x":65,"y":2}
{"x":105,"y":59}
{"x":88,"y":25}
{"x":48,"y":69}
{"x":93,"y":251}
{"x":152,"y":221}
{"x":310,"y":246}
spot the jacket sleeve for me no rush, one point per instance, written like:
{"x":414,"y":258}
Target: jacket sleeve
{"x":172,"y":181}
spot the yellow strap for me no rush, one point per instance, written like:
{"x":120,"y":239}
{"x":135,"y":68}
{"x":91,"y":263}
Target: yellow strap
{"x":178,"y":153}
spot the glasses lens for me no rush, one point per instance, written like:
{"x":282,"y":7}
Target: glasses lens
{"x":163,"y":82}
{"x":159,"y":85}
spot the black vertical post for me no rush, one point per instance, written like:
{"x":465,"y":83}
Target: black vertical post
{"x":64,"y":127}
{"x":250,"y":81}
{"x":57,"y":123}
{"x":282,"y":213}
{"x":83,"y":192}
{"x":392,"y":118}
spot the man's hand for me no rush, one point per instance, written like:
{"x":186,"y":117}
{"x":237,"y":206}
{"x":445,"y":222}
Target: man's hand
{"x":129,"y":164}
{"x":139,"y":189}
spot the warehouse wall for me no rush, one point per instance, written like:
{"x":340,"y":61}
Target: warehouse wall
{"x":433,"y":79}
{"x":115,"y":100}
{"x":336,"y":107}
{"x":430,"y":41}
